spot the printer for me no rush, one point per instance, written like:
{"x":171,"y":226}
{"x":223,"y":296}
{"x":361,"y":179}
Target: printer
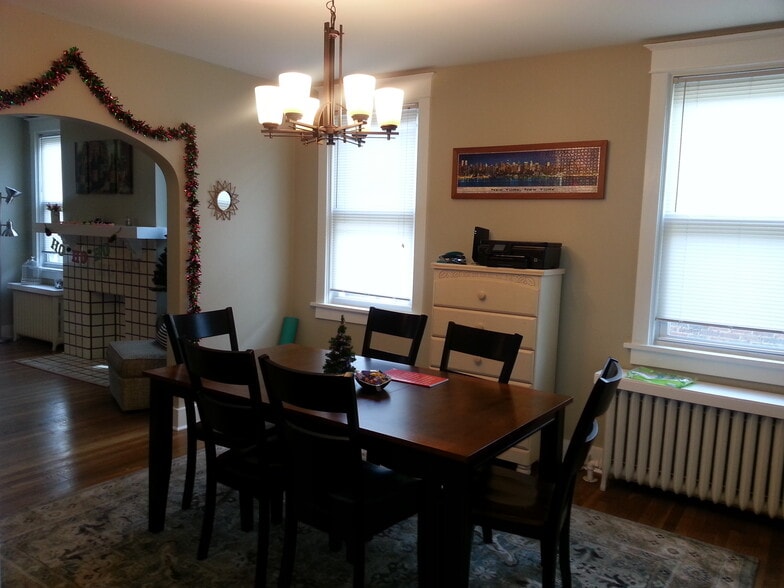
{"x":514,"y":254}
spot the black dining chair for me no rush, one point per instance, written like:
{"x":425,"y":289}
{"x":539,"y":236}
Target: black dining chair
{"x":482,"y":343}
{"x":216,"y":325}
{"x":328,"y":484}
{"x":400,"y":325}
{"x":526,"y":505}
{"x":251,"y":461}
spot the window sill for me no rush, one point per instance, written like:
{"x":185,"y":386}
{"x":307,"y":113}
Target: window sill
{"x":720,"y":365}
{"x":333,"y":312}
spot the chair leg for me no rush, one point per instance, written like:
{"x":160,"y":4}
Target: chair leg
{"x":549,"y":554}
{"x":190,"y":463}
{"x":209,"y":517}
{"x":357,"y":547}
{"x":289,"y":546}
{"x":262,"y":549}
{"x":487,"y":534}
{"x":246,"y":510}
{"x":276,"y":506}
{"x":564,"y":556}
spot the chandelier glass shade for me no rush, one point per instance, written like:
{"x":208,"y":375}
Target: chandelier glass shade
{"x":288,"y":110}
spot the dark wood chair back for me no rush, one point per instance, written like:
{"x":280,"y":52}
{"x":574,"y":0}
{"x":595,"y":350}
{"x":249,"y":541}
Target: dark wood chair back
{"x":200,"y":325}
{"x":328,"y":484}
{"x":228,"y":395}
{"x":196,"y":327}
{"x":483,"y":343}
{"x":229,"y":420}
{"x":585,"y":432}
{"x":396,"y":324}
{"x":324,"y":455}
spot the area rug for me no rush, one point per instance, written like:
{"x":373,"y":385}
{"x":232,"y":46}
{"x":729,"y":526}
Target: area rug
{"x":99,"y":537}
{"x":94,"y":371}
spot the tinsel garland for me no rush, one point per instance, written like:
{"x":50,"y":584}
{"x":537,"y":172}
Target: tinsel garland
{"x":61,"y":68}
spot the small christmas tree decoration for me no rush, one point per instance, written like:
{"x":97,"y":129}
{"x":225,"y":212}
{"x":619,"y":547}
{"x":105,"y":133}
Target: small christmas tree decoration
{"x":341,"y":353}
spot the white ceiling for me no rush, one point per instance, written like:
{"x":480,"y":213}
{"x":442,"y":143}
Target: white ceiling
{"x":265,"y":37}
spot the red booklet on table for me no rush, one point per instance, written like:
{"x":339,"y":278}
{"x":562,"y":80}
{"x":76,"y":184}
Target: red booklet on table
{"x":415,"y":378}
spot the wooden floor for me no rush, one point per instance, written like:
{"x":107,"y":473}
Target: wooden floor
{"x":59,"y":435}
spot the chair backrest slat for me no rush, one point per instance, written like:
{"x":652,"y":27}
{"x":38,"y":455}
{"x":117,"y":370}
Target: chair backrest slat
{"x":396,"y":324}
{"x":324,"y":451}
{"x":483,"y":343}
{"x":229,"y":420}
{"x":198,"y":326}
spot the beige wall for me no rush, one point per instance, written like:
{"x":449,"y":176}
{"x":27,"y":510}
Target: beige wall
{"x":242,"y":259}
{"x":263,"y":261}
{"x":599,"y":94}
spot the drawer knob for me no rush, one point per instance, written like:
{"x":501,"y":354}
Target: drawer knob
{"x":481,"y":295}
{"x":478,"y":361}
{"x":480,"y":325}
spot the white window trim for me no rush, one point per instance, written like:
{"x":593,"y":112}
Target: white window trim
{"x":37,"y":127}
{"x":756,"y":50}
{"x":417,"y":89}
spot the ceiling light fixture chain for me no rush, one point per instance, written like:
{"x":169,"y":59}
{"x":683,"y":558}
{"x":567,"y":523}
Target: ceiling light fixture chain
{"x":288,"y":110}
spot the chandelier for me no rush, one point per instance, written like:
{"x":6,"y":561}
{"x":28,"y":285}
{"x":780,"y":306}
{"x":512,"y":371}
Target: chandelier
{"x":287,"y":110}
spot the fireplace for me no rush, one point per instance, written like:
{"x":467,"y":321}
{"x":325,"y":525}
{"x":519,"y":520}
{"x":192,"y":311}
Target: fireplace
{"x":106,"y":292}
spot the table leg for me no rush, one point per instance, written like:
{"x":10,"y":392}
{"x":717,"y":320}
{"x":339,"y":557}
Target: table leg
{"x":160,"y":453}
{"x":445,"y":533}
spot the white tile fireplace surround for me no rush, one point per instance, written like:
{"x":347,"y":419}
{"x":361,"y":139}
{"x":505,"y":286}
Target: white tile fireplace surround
{"x":106,"y":293}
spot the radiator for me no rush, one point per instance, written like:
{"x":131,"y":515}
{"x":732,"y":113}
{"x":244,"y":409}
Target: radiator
{"x":716,"y":443}
{"x":38,"y":313}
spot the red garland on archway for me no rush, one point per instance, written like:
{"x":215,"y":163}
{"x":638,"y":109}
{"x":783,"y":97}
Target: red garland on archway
{"x":61,"y":68}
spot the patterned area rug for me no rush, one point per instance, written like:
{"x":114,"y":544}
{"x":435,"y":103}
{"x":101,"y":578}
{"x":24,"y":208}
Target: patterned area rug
{"x":98,"y":537}
{"x":94,"y":371}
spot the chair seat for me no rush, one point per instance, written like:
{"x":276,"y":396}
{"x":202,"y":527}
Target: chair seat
{"x":398,"y":494}
{"x":508,"y":497}
{"x":239,"y":468}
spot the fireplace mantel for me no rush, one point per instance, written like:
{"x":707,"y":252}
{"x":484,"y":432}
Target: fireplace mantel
{"x":96,"y":230}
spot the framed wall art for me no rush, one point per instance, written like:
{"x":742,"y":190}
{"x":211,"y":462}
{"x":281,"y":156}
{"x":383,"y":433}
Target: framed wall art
{"x":104,"y":167}
{"x":547,"y":170}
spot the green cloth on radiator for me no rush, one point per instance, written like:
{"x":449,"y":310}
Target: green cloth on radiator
{"x":645,"y":374}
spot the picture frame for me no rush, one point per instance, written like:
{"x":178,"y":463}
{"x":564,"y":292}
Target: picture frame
{"x":104,"y":167}
{"x":572,"y":170}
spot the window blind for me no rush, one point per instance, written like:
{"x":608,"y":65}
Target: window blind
{"x":49,"y":190}
{"x":371,"y":219}
{"x":722,"y":231}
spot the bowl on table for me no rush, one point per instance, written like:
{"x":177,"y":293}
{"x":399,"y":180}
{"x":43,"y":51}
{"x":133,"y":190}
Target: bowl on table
{"x":372,"y":380}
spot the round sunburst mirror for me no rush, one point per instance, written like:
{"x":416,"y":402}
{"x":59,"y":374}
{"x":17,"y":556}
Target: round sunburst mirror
{"x":223,"y":200}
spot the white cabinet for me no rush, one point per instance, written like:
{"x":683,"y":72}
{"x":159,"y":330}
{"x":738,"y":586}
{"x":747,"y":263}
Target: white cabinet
{"x":508,"y":300}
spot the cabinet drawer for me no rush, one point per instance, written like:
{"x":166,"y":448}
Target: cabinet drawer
{"x":504,"y":323}
{"x":505,"y":293}
{"x":523,"y":371}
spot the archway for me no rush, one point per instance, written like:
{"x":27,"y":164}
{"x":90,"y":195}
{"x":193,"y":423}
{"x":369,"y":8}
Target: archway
{"x":154,"y":139}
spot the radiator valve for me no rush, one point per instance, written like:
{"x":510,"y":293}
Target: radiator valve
{"x":591,"y":469}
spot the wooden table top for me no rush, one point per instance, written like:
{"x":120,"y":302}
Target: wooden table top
{"x":466,"y":420}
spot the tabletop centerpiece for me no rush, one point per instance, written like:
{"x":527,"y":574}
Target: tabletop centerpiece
{"x":341,"y":352}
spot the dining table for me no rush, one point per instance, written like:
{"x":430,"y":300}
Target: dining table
{"x":444,"y":434}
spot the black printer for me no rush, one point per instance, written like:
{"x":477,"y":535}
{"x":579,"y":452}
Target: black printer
{"x":514,"y":254}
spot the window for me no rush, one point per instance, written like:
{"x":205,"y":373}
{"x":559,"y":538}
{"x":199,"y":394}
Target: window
{"x":48,"y":180}
{"x":372,"y":217}
{"x":370,"y":227}
{"x":711,"y":267}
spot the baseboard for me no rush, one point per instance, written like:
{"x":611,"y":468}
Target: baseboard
{"x":179,"y":423}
